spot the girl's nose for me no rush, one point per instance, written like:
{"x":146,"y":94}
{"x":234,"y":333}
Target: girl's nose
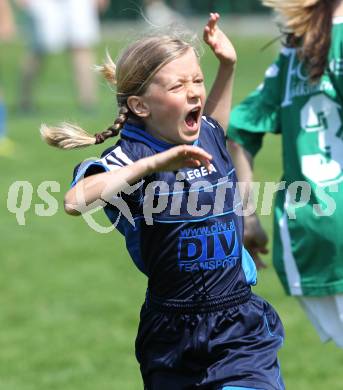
{"x":192,"y":91}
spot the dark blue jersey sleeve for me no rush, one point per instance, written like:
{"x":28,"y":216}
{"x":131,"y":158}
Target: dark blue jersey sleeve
{"x":217,"y":130}
{"x":113,"y":158}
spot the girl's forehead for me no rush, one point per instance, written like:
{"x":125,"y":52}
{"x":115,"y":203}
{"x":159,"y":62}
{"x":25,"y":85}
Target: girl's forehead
{"x":186,"y":65}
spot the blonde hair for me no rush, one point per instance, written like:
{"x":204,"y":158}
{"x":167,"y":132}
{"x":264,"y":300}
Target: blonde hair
{"x":307,"y":26}
{"x":132,"y":75}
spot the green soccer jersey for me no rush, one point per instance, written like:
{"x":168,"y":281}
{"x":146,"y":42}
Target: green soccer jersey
{"x":308,"y":241}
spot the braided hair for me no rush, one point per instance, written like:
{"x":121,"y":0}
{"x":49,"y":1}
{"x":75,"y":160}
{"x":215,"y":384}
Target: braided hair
{"x":113,"y":130}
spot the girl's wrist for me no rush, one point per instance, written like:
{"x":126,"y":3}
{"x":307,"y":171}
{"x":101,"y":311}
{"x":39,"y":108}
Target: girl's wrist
{"x":227,"y":65}
{"x":148,"y":165}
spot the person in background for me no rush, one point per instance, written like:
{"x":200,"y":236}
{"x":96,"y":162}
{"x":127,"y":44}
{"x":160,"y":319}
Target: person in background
{"x":7,"y":31}
{"x":301,"y":99}
{"x":159,"y":13}
{"x":55,"y":26}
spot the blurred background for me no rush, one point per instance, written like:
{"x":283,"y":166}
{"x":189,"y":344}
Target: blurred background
{"x":69,"y":296}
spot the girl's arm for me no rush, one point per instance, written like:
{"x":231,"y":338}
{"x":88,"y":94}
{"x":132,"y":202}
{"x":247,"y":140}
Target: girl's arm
{"x":255,"y":238}
{"x":218,"y":104}
{"x":95,"y":190}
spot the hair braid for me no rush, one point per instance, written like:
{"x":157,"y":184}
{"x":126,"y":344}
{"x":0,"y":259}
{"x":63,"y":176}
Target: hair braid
{"x":114,"y":129}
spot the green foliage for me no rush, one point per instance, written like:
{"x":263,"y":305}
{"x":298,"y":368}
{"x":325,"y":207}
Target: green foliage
{"x":69,"y":296}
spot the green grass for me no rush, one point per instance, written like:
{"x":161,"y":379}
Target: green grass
{"x":70,"y":297}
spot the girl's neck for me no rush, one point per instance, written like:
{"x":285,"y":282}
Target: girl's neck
{"x":339,"y":8}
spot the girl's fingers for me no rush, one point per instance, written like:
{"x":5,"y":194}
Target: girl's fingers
{"x":207,"y":165}
{"x":202,"y":161}
{"x":192,"y":156}
{"x":191,"y":163}
{"x":201,"y":152}
{"x":194,"y":163}
{"x":210,"y":29}
{"x":205,"y":161}
{"x":202,"y":157}
{"x":213,"y":19}
{"x":210,"y":23}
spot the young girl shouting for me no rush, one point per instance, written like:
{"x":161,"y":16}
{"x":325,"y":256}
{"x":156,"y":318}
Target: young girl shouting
{"x":200,"y":327}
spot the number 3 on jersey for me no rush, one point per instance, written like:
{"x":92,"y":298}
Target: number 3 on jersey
{"x":321,"y":115}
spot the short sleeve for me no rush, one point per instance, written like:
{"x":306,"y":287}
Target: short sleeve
{"x":128,"y":202}
{"x":112,"y":159}
{"x":216,"y":129}
{"x":259,"y":113}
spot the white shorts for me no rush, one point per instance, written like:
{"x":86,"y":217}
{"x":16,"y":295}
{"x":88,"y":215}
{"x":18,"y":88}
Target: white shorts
{"x":326,"y":314}
{"x":58,"y":24}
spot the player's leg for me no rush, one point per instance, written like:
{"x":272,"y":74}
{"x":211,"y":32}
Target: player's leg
{"x":31,"y":68}
{"x":2,"y":118}
{"x":6,"y":146}
{"x":254,"y":359}
{"x":83,"y":34}
{"x":45,"y":33}
{"x":83,"y":62}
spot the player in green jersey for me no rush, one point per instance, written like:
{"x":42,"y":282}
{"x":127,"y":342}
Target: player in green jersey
{"x":301,"y":99}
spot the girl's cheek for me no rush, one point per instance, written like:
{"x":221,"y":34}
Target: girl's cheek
{"x":176,"y":103}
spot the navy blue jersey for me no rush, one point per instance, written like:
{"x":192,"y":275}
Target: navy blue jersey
{"x":186,"y":231}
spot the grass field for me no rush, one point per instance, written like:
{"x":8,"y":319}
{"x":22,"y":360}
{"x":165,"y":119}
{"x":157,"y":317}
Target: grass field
{"x":70,"y":297}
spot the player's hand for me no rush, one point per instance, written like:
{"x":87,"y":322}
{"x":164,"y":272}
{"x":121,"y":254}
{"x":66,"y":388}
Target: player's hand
{"x":218,"y":41}
{"x":255,"y":239}
{"x":179,"y":157}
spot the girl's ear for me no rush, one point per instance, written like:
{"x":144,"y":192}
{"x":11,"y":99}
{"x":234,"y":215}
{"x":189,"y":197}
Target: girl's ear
{"x":138,"y":106}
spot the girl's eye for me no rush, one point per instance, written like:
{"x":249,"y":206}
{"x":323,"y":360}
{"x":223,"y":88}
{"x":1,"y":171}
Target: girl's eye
{"x":199,"y":81}
{"x":175,"y":87}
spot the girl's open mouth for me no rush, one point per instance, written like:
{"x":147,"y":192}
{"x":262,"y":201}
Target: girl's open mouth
{"x":192,"y":118}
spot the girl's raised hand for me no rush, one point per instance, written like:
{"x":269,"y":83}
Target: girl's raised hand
{"x":218,"y":41}
{"x":180,"y":157}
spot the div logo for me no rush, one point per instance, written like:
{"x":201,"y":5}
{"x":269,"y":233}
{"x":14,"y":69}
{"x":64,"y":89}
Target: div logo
{"x":208,"y":247}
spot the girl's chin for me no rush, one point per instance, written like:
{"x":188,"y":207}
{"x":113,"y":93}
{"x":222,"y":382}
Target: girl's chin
{"x":188,"y":137}
{"x":190,"y":131}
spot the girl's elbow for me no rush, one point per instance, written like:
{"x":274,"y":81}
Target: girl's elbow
{"x":70,"y":210}
{"x":232,"y":145}
{"x":69,"y":206}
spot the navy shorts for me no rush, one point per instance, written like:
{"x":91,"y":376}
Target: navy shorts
{"x":220,"y":343}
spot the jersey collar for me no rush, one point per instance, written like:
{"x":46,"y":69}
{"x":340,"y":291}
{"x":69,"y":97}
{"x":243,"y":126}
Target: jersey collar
{"x":139,"y":134}
{"x":338,"y":20}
